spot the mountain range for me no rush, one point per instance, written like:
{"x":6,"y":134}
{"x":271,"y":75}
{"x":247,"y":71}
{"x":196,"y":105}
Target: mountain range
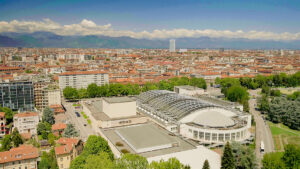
{"x":51,"y":40}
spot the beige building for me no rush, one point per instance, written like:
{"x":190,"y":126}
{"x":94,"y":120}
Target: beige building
{"x":70,"y":148}
{"x":2,"y":122}
{"x":82,"y":79}
{"x":46,"y":95}
{"x":26,"y":122}
{"x":23,"y":157}
{"x":112,"y":112}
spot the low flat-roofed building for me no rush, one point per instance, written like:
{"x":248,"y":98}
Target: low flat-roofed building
{"x":194,"y":158}
{"x":24,"y":156}
{"x":112,"y":112}
{"x":188,"y":90}
{"x":149,"y":138}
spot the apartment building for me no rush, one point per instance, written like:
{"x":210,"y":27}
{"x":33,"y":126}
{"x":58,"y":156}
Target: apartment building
{"x":22,"y":157}
{"x":82,"y":79}
{"x":46,"y":95}
{"x":26,"y":122}
{"x":17,"y":95}
{"x":70,"y":148}
{"x":2,"y":122}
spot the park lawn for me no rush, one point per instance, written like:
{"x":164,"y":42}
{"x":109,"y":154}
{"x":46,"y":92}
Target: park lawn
{"x":283,"y":135}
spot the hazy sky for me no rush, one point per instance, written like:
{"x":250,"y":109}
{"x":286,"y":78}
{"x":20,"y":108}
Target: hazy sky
{"x":276,"y":16}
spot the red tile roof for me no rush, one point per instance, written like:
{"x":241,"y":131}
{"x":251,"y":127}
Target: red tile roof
{"x":82,"y":73}
{"x":27,"y":114}
{"x":20,"y":153}
{"x":59,"y":126}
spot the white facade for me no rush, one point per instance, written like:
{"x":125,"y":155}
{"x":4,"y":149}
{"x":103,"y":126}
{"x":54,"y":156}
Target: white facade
{"x":119,"y":109}
{"x":54,"y":97}
{"x":26,"y":122}
{"x":82,"y":79}
{"x":188,"y":90}
{"x":172,"y":45}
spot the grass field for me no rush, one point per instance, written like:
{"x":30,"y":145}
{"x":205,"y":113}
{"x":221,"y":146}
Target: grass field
{"x":283,"y":135}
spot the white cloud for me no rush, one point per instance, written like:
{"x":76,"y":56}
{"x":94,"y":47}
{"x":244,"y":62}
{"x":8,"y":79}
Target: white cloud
{"x":88,"y":27}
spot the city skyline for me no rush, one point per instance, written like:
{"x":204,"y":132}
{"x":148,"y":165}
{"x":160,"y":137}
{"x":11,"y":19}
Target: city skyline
{"x":263,"y":20}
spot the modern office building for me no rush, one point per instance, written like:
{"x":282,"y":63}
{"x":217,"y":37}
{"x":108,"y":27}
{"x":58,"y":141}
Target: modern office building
{"x":172,"y":45}
{"x":17,"y":95}
{"x":195,"y":118}
{"x":82,"y":79}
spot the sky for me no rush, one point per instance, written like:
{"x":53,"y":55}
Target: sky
{"x":252,"y":19}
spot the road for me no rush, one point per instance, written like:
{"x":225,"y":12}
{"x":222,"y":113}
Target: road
{"x":78,"y":122}
{"x":263,"y":132}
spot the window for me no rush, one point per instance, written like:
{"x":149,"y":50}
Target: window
{"x":61,"y":159}
{"x":238,"y":135}
{"x":221,"y":137}
{"x":195,"y":134}
{"x":207,"y":136}
{"x":214,"y":136}
{"x":232,"y":136}
{"x":227,"y":136}
{"x":61,"y":166}
{"x":201,"y":135}
{"x":190,"y":130}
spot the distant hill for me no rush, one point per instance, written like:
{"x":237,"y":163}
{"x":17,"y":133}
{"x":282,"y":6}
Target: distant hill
{"x":48,"y":39}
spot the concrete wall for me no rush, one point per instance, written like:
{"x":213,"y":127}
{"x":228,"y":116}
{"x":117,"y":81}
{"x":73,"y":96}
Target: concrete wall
{"x":54,"y":97}
{"x":117,"y":110}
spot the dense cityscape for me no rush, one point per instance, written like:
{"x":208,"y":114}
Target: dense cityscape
{"x":86,"y":96}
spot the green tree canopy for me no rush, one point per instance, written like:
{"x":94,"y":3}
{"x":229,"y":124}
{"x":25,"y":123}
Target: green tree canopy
{"x":70,"y":131}
{"x":9,"y":114}
{"x":48,"y":160}
{"x":70,"y":93}
{"x":291,"y":157}
{"x":272,"y":161}
{"x":206,"y":165}
{"x":16,"y":138}
{"x":227,"y":161}
{"x":48,"y":116}
{"x":128,"y":161}
{"x":6,"y":143}
{"x":99,"y":161}
{"x":96,"y":144}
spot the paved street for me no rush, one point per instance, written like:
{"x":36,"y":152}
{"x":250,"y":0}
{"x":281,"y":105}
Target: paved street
{"x":263,"y":132}
{"x":78,"y":122}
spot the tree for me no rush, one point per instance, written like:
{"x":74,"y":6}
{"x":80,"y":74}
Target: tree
{"x":48,"y":116}
{"x":9,"y":114}
{"x":70,"y":93}
{"x":227,"y":161}
{"x":206,"y":165}
{"x":70,"y":131}
{"x":129,"y":161}
{"x":100,"y":161}
{"x":246,"y":106}
{"x":6,"y":143}
{"x":92,"y":90}
{"x":96,"y":144}
{"x":48,"y":160}
{"x":43,"y":126}
{"x":16,"y":138}
{"x":265,"y":89}
{"x":272,"y":161}
{"x":244,"y":156}
{"x":79,"y":161}
{"x":237,"y":93}
{"x":291,"y":156}
{"x":170,"y":164}
{"x":82,"y":93}
{"x":263,"y":103}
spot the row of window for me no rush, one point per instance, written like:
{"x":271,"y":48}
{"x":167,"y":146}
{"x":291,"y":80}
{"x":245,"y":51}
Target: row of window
{"x":204,"y":136}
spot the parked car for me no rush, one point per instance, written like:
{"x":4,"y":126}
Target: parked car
{"x":77,"y":114}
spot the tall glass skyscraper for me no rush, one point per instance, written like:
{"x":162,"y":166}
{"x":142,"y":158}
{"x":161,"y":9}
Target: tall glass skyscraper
{"x":17,"y":96}
{"x":172,"y":45}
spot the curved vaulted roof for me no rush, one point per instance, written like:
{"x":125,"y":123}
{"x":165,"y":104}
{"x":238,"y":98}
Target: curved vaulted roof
{"x":172,"y":105}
